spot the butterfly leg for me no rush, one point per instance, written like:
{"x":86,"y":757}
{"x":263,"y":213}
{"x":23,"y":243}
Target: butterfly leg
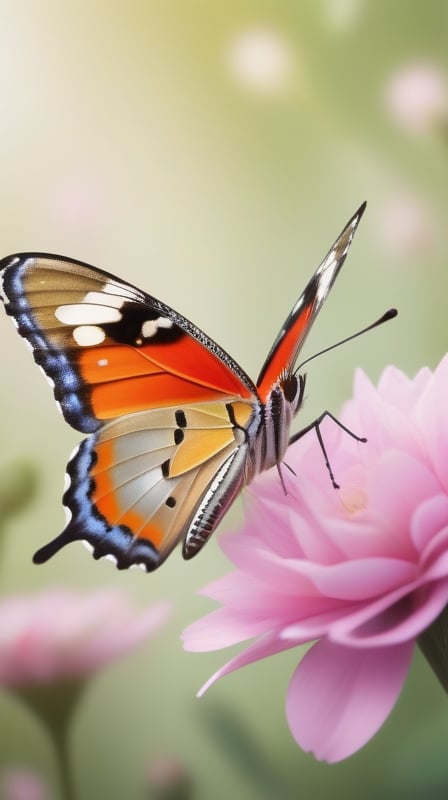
{"x":316,"y":426}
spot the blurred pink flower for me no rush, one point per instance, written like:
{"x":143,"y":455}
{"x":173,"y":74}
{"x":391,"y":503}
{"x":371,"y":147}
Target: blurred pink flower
{"x":18,"y":783}
{"x":407,"y":227}
{"x":61,"y":635}
{"x":167,"y":778}
{"x":364,"y":570}
{"x":416,"y":96}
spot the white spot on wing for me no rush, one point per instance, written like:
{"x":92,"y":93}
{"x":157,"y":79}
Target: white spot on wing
{"x":151,"y":326}
{"x":139,"y":565}
{"x":74,"y":453}
{"x":164,"y":322}
{"x":112,"y":558}
{"x":103,"y":362}
{"x":82,"y":313}
{"x":88,"y":335}
{"x":88,"y":546}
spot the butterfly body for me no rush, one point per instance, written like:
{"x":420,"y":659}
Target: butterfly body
{"x":175,"y":426}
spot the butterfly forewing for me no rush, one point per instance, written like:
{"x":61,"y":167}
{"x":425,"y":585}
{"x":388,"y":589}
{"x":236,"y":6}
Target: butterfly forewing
{"x":108,"y":348}
{"x":283,"y":354}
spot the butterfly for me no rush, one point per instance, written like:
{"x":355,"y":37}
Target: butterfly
{"x":175,"y":426}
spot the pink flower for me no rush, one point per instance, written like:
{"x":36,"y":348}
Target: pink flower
{"x":167,"y":777}
{"x":363,"y":570}
{"x":59,"y":634}
{"x":416,"y":97}
{"x":407,"y":227}
{"x":17,"y":783}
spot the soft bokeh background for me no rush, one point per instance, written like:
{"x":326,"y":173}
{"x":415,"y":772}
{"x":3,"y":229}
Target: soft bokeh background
{"x":210,"y":152}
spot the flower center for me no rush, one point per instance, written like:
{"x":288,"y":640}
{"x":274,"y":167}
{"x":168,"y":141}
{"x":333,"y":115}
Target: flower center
{"x":354,"y":499}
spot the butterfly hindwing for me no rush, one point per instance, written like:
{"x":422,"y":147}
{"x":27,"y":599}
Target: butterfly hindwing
{"x":135,"y":486}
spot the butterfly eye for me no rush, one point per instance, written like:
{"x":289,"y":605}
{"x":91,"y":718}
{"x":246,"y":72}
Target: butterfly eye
{"x":291,"y":389}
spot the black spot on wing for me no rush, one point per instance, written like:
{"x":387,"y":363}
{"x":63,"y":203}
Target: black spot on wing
{"x":180,"y":418}
{"x":178,"y":436}
{"x":129,"y":328}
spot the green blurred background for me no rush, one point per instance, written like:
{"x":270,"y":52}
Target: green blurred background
{"x":210,"y":152}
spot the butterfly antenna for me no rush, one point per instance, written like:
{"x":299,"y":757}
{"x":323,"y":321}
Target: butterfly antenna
{"x":390,"y":314}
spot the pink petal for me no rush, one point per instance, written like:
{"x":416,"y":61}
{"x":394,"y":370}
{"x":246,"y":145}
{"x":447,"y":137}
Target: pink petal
{"x":399,"y":484}
{"x":429,"y":518}
{"x":268,"y":567}
{"x":313,"y":627}
{"x":398,"y":617}
{"x":254,"y":599}
{"x":401,"y":391}
{"x":338,"y":697}
{"x":221,"y":628}
{"x":381,"y":418}
{"x":268,"y":646}
{"x":432,"y":419}
{"x":357,"y":580}
{"x":433,"y":558}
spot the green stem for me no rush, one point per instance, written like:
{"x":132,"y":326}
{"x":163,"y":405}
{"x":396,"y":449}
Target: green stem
{"x":62,"y":750}
{"x":433,"y":643}
{"x":54,"y":705}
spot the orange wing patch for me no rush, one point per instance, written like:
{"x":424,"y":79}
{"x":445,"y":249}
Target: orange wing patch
{"x":125,"y":379}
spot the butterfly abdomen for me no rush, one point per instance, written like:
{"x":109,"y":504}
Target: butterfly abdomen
{"x":215,"y":502}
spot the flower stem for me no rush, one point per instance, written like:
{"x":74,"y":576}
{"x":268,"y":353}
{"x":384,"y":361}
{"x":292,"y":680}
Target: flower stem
{"x":65,"y":773}
{"x":55,"y":704}
{"x":433,"y":643}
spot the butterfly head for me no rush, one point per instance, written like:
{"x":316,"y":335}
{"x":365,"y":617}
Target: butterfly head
{"x":293,"y":387}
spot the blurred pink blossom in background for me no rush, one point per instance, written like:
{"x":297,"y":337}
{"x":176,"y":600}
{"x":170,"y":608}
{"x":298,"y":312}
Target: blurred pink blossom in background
{"x":61,"y":634}
{"x":406,"y":227}
{"x":416,"y":97}
{"x":18,"y":783}
{"x":364,"y":570}
{"x":167,"y":778}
